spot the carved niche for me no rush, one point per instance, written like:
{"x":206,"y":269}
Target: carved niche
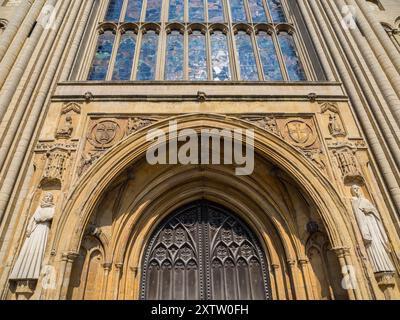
{"x":56,"y":158}
{"x":346,"y":161}
{"x":68,"y":119}
{"x":331,"y":114}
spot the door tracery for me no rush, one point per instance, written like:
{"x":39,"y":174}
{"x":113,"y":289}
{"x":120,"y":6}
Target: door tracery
{"x":204,"y":252}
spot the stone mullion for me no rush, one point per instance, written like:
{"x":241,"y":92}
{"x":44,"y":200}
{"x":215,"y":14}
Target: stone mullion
{"x":279,"y":53}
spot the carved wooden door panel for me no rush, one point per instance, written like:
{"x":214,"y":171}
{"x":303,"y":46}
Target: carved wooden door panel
{"x":203,"y":252}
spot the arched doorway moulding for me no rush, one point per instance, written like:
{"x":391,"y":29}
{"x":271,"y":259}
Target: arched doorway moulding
{"x":83,"y":199}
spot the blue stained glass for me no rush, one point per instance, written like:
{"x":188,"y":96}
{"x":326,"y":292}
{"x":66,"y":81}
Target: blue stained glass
{"x":134,"y":10}
{"x":174,"y":56}
{"x":196,"y":10}
{"x":220,"y":57}
{"x":148,"y":56}
{"x":237,"y":10}
{"x":153,"y":10}
{"x":292,"y":61}
{"x":114,"y":10}
{"x":197,"y":56}
{"x":257,"y":11}
{"x":125,"y":54}
{"x":276,"y":10}
{"x":269,"y":59}
{"x":176,"y":10}
{"x":101,"y":61}
{"x":215,"y":11}
{"x":247,"y":61}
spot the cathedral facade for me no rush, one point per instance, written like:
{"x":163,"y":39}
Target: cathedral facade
{"x":85,"y":215}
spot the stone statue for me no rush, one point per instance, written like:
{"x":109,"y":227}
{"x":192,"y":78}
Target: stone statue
{"x":334,"y":126}
{"x":66,"y":131}
{"x":372,"y":231}
{"x":29,"y":261}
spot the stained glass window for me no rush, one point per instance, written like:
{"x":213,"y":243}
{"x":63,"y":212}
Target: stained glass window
{"x":276,"y":10}
{"x":220,"y":57}
{"x":269,"y":59}
{"x":293,"y":64}
{"x":124,"y":60}
{"x":102,"y":57}
{"x":257,"y":11}
{"x":247,"y":60}
{"x":237,"y":11}
{"x":114,"y":10}
{"x":196,"y":10}
{"x":197,"y":56}
{"x":133,"y":10}
{"x":174,"y":56}
{"x":153,"y":10}
{"x":176,"y":10}
{"x":148,"y":56}
{"x":215,"y":11}
{"x":211,"y":43}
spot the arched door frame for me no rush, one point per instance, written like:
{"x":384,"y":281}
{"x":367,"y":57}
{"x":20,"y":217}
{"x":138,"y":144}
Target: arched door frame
{"x":82,"y":200}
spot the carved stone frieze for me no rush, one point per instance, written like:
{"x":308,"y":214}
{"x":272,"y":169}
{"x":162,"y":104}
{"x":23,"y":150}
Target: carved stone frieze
{"x":137,"y":123}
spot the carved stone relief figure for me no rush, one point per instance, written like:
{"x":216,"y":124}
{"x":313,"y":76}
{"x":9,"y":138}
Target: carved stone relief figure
{"x":335,"y":124}
{"x":267,"y":123}
{"x":29,"y":262}
{"x":347,"y":164}
{"x":68,"y":117}
{"x":135,"y":124}
{"x":372,"y":231}
{"x":56,"y":165}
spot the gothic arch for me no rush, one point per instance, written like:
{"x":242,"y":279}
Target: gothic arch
{"x":82,"y":201}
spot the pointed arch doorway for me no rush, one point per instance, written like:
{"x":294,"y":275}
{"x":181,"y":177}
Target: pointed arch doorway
{"x":204,"y":252}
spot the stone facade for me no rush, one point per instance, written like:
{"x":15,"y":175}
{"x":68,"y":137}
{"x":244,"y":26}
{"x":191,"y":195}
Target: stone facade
{"x":85,"y":143}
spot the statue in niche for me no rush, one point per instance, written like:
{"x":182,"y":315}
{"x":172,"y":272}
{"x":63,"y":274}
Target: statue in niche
{"x":66,"y":130}
{"x":334,"y":126}
{"x":29,"y":262}
{"x":372,"y":231}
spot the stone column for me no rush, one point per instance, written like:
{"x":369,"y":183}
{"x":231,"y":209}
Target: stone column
{"x":304,"y":265}
{"x":18,"y":41}
{"x":274,"y":268}
{"x":377,"y":36}
{"x":71,"y":256}
{"x":293,"y":275}
{"x":13,"y":25}
{"x":386,"y":76}
{"x":386,"y":283}
{"x":107,"y":268}
{"x":117,"y":279}
{"x":323,"y":57}
{"x":371,"y":134}
{"x":37,"y":108}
